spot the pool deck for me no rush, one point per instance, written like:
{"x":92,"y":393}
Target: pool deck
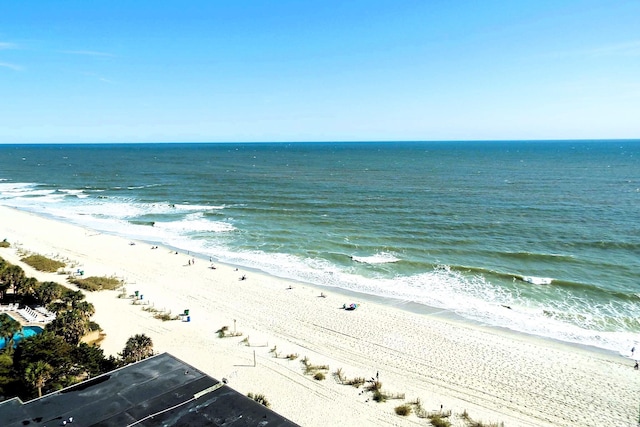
{"x":37,"y":318}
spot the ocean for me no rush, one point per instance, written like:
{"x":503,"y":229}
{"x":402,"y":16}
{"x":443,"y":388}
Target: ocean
{"x":541,"y":237}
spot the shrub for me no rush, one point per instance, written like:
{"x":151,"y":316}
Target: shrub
{"x":374,"y":386}
{"x":165,"y":316}
{"x":379,"y":396}
{"x":5,"y":244}
{"x":403,"y":410}
{"x":438,"y":421}
{"x":319,"y":376}
{"x":94,"y":283}
{"x":260,"y":398}
{"x":42,"y":263}
{"x":340,"y":375}
{"x":356,"y":382}
{"x":292,"y":356}
{"x":222,"y":332}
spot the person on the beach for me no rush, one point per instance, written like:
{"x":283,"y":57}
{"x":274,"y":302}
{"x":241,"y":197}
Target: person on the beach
{"x":636,"y":366}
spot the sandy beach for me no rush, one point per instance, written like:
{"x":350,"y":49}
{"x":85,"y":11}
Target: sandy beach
{"x":493,"y":375}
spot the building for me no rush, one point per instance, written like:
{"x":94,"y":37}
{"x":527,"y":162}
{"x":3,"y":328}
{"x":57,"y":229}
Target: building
{"x":158,"y":391}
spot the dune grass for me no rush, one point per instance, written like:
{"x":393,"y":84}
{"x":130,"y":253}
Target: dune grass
{"x":94,"y":283}
{"x":42,"y":263}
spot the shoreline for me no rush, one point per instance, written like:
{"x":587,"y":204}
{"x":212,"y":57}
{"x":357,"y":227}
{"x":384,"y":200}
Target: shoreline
{"x":410,"y":306}
{"x":495,"y":374}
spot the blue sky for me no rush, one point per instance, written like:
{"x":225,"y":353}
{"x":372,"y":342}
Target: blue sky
{"x":138,"y":71}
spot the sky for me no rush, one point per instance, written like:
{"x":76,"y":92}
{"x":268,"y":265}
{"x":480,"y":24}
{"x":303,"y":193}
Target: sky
{"x":235,"y":71}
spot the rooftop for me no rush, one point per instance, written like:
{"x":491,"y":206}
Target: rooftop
{"x":161,"y":390}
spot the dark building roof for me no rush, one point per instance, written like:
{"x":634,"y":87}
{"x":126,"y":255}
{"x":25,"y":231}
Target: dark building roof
{"x":158,"y":391}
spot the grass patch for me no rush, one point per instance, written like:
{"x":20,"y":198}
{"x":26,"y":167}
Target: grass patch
{"x":94,"y":283}
{"x":42,"y":263}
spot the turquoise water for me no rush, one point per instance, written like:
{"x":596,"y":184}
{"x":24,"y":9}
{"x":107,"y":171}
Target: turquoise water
{"x":549,"y":229}
{"x":27,"y":331}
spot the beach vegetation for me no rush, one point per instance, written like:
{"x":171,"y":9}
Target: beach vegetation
{"x":137,"y":348}
{"x":379,"y":396}
{"x":165,"y":316}
{"x":42,"y":263}
{"x":439,"y":421}
{"x":5,"y":244}
{"x":311,"y":369}
{"x":10,"y":277}
{"x":292,"y":356}
{"x":418,"y":409}
{"x":339,"y":374}
{"x":260,"y":398}
{"x":374,"y":385}
{"x":222,"y":332}
{"x":473,"y":423}
{"x":355,"y":382}
{"x":319,"y":376}
{"x":403,"y":409}
{"x":94,"y":283}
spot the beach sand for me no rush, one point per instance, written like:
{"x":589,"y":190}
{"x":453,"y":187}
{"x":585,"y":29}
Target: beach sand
{"x":494,"y":375}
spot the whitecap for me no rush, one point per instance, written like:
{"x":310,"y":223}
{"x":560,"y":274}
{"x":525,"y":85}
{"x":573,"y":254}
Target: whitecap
{"x":379,"y":258}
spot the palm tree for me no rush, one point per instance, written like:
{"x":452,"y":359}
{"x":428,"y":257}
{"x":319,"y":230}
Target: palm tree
{"x":47,"y":292}
{"x":71,"y":325}
{"x":11,"y":276}
{"x":8,"y":328}
{"x":138,"y":347}
{"x":37,"y":374}
{"x":26,"y":287}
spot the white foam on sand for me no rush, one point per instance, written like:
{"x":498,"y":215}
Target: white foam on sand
{"x":494,"y":375}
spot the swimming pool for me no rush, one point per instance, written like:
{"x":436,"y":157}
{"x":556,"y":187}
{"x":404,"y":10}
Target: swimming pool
{"x":27,"y":331}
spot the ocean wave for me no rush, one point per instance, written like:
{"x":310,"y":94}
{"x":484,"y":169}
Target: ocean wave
{"x":536,"y":280}
{"x":196,"y":207}
{"x":379,"y":258}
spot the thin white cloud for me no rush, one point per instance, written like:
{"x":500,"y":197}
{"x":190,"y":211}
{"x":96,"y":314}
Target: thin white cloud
{"x":620,"y":49}
{"x":87,"y":53}
{"x":7,"y":45}
{"x":12,"y":66}
{"x":631,"y":48}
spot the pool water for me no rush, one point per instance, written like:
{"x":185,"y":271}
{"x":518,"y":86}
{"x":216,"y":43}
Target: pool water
{"x":27,"y":331}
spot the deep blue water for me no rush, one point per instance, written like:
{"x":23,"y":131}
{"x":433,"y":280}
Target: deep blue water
{"x":469,"y":227}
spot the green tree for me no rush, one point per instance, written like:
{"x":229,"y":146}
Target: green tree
{"x":37,"y":374}
{"x":48,"y":348}
{"x":10,"y":277}
{"x":9,"y":384}
{"x":8,"y":328}
{"x":26,"y":287}
{"x":90,"y":360}
{"x":138,"y":347}
{"x":48,"y":292}
{"x":71,"y":325}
